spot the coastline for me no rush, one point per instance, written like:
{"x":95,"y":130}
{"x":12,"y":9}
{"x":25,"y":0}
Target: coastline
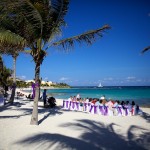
{"x":28,"y":91}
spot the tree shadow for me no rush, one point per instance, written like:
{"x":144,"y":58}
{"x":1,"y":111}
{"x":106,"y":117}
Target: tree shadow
{"x":146,"y":116}
{"x":28,"y":111}
{"x":94,"y":135}
{"x":22,"y":111}
{"x":17,"y":103}
{"x":5,"y":107}
{"x":8,"y":105}
{"x":50,"y":112}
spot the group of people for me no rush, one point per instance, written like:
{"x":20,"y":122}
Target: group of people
{"x":102,"y":106}
{"x":19,"y":94}
{"x":47,"y":101}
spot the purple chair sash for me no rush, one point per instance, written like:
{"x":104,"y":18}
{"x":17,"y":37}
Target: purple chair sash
{"x":106,"y":110}
{"x":85,"y":106}
{"x":101,"y":109}
{"x":89,"y":104}
{"x":95,"y":109}
{"x":73,"y":105}
{"x":119,"y":110}
{"x":126,"y":110}
{"x":70,"y":104}
{"x":91,"y":108}
{"x":77,"y":104}
{"x":67,"y":104}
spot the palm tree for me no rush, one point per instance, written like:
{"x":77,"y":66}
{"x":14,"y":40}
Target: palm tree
{"x":14,"y":55}
{"x":8,"y":49}
{"x":38,"y":22}
{"x":11,"y":44}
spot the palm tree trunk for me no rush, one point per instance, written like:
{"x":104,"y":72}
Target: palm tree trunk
{"x":14,"y":80}
{"x":34,"y":117}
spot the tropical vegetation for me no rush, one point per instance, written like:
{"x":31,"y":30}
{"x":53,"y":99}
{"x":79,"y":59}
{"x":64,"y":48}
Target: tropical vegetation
{"x":5,"y":73}
{"x":35,"y":24}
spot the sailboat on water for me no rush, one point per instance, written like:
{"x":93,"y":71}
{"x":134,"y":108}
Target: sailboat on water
{"x":100,"y":85}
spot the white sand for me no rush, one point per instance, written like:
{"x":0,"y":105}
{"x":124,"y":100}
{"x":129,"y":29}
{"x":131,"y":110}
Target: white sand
{"x":59,"y":129}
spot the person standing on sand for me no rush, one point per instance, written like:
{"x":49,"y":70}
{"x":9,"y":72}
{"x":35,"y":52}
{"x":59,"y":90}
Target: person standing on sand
{"x":44,"y":97}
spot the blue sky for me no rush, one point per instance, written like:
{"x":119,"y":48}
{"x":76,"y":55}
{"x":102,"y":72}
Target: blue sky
{"x":112,"y":60}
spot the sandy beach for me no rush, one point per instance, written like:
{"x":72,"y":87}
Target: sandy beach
{"x":59,"y":129}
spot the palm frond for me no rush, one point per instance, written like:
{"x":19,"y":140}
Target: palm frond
{"x":22,"y":18}
{"x":145,"y":49}
{"x":88,"y":37}
{"x":56,"y":18}
{"x":6,"y":36}
{"x":10,"y":42}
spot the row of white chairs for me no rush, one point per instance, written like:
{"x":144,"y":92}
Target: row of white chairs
{"x":97,"y":109}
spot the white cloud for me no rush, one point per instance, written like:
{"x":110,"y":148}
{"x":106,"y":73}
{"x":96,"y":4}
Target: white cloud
{"x":63,"y":79}
{"x":108,"y":79}
{"x":139,"y":80}
{"x":22,"y":77}
{"x":131,"y":78}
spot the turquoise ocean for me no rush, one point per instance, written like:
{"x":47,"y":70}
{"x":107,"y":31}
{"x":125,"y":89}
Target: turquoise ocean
{"x":139,"y":94}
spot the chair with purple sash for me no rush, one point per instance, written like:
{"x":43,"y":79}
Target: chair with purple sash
{"x":127,"y":111}
{"x":65,"y":104}
{"x":101,"y":110}
{"x":108,"y":111}
{"x":86,"y":106}
{"x":94,"y":109}
{"x":73,"y":105}
{"x":120,"y":111}
{"x":78,"y":106}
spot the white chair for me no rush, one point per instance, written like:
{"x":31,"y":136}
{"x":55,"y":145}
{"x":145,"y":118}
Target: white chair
{"x":108,"y":111}
{"x":73,"y":106}
{"x":120,"y":110}
{"x":94,"y":109}
{"x":86,"y":106}
{"x":79,"y":107}
{"x":101,"y":110}
{"x":66,"y":104}
{"x":127,"y":111}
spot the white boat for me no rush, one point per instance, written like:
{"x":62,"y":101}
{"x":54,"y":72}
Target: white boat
{"x":100,"y":85}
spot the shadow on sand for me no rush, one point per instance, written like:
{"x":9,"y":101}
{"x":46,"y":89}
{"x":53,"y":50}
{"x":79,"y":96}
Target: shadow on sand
{"x":28,"y":111}
{"x":146,"y":116}
{"x":94,"y":136}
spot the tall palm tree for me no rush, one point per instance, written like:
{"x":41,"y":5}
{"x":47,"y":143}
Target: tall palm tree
{"x":11,"y":44}
{"x":14,"y":55}
{"x":38,"y":22}
{"x":9,"y":50}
